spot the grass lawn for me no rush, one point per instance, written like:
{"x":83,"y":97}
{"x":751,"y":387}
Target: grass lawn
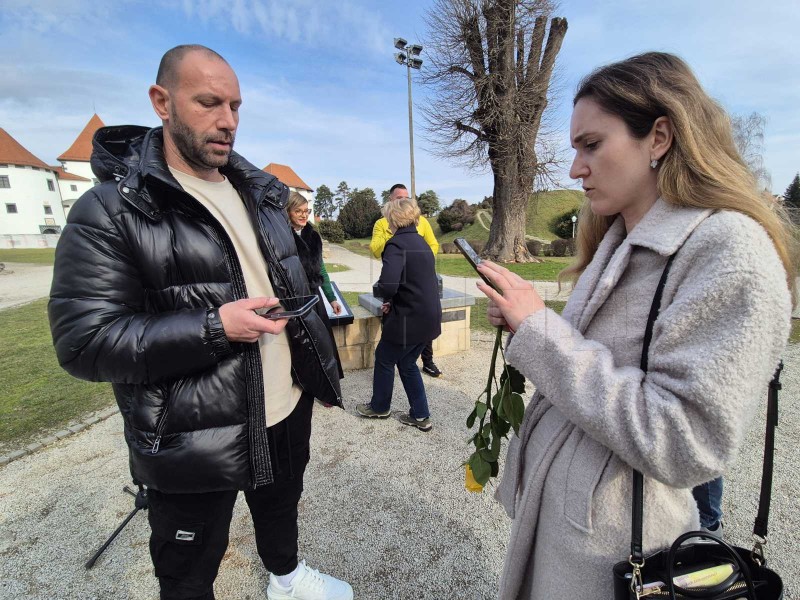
{"x":336,"y":268}
{"x":478,"y":321}
{"x":457,"y":266}
{"x":37,"y":393}
{"x":40,"y":256}
{"x":359,"y":246}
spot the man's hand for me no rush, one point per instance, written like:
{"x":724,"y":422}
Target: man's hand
{"x":241,"y":324}
{"x":337,"y":308}
{"x":518,"y":301}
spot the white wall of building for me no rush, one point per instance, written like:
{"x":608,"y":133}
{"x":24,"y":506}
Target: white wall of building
{"x":71,"y":191}
{"x":29,"y":193}
{"x":79,"y":167}
{"x":68,"y":195}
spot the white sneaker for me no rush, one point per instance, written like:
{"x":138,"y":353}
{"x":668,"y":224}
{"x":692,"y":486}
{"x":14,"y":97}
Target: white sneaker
{"x":309,"y":584}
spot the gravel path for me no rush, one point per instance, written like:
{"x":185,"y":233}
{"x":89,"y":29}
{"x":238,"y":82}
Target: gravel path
{"x":21,"y":283}
{"x":384,"y":505}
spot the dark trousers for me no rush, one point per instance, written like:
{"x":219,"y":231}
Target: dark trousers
{"x":189,"y":532}
{"x":427,"y":354}
{"x":709,"y":502}
{"x":387,"y":355}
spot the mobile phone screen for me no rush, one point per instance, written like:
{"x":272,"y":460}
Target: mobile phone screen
{"x":276,"y":313}
{"x":473,"y":259}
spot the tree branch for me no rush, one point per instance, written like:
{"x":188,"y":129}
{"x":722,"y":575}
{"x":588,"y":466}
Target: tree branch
{"x":466,"y":128}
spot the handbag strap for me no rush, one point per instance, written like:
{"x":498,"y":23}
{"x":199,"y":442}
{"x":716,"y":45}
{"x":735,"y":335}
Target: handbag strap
{"x":760,"y":526}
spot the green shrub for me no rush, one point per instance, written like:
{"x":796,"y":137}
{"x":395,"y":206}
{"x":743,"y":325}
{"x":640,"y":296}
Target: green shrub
{"x":358,"y":216}
{"x":534,"y":247}
{"x":562,"y":224}
{"x":456,"y":216}
{"x":563,"y":247}
{"x":331,"y":231}
{"x":448,"y":248}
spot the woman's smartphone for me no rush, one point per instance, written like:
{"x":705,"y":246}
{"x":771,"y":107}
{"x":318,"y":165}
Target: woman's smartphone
{"x":275,"y":313}
{"x":473,"y":259}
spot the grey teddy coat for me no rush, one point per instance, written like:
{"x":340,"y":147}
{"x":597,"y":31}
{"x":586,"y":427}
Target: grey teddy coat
{"x":723,"y":324}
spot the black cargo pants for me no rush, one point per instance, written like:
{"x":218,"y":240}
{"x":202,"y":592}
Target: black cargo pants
{"x":189,"y":532}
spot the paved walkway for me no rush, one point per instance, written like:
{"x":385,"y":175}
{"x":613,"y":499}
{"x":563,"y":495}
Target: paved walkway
{"x":22,"y":283}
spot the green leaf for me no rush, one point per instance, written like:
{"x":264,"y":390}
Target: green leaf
{"x":481,"y":470}
{"x":499,"y":405}
{"x":516,"y":411}
{"x":494,"y":448}
{"x":471,"y":419}
{"x":487,"y":455}
{"x":480,"y":409}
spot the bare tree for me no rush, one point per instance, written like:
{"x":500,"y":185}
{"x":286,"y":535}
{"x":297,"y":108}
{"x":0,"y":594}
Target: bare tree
{"x":490,"y":64}
{"x":748,"y":135}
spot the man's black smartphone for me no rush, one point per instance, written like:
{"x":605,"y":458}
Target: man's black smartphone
{"x":275,"y":313}
{"x":473,"y":259}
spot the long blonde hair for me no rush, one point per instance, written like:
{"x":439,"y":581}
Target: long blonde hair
{"x":701,"y":169}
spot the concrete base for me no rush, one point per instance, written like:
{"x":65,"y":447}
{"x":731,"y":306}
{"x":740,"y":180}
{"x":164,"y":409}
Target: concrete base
{"x":356,"y":342}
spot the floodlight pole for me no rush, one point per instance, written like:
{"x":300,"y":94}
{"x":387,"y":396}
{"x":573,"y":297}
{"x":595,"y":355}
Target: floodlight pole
{"x":411,"y":130}
{"x":408,"y":56}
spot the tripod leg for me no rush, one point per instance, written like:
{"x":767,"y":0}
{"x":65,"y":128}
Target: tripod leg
{"x":91,"y":561}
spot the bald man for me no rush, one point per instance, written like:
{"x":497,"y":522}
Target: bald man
{"x":162,"y":275}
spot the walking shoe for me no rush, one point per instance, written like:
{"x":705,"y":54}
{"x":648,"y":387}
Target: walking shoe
{"x":309,"y":584}
{"x":421,"y":424}
{"x":431,"y":369}
{"x":718,"y":531}
{"x":365,"y":410}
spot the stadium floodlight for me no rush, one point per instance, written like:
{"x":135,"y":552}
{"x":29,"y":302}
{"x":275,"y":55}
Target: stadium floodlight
{"x":408,"y":57}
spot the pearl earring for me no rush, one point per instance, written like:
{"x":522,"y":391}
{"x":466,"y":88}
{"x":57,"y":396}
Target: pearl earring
{"x":653,"y":163}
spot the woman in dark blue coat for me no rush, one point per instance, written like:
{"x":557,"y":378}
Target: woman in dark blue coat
{"x":412,"y":316}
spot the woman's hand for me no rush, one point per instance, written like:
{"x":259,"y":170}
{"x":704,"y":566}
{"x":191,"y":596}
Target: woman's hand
{"x":386,"y":307}
{"x":337,"y":308}
{"x":518,"y":301}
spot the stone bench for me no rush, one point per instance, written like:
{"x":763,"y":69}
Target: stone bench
{"x":356,"y":342}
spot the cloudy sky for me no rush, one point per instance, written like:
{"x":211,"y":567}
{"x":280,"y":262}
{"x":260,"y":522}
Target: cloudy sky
{"x":323,"y":94}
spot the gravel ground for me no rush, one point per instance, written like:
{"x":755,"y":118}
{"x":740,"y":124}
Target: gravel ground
{"x":384,"y":505}
{"x":21,"y":283}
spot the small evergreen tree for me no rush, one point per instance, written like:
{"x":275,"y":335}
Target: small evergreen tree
{"x":428,"y":203}
{"x":792,"y":194}
{"x":358,"y":216}
{"x":562,"y":224}
{"x":342,"y":195}
{"x":323,"y":202}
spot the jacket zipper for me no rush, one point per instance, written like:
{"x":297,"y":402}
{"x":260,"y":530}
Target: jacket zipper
{"x":162,"y":421}
{"x":237,"y":279}
{"x":285,"y":281}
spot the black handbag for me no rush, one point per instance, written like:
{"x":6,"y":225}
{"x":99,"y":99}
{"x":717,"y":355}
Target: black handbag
{"x":749,"y":577}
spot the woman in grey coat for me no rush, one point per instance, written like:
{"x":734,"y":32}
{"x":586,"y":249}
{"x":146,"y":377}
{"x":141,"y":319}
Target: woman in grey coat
{"x":662,"y":176}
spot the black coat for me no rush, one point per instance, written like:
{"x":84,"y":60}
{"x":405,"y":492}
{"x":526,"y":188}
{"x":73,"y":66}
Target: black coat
{"x":408,"y":281}
{"x":140,"y":272}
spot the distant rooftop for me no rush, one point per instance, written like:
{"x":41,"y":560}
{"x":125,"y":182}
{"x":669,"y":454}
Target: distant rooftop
{"x":81,"y":149}
{"x":287,"y":175}
{"x":62,"y":174}
{"x":14,"y":153}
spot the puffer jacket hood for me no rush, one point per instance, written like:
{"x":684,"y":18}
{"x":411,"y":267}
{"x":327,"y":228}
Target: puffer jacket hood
{"x":141,"y":270}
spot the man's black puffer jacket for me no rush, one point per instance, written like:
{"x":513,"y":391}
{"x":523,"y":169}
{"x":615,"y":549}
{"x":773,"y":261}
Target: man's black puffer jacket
{"x":140,"y":272}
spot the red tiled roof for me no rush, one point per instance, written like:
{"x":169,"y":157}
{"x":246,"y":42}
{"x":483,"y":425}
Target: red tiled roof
{"x":287,"y":175}
{"x":14,"y":153}
{"x":81,"y":148}
{"x":62,"y":174}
